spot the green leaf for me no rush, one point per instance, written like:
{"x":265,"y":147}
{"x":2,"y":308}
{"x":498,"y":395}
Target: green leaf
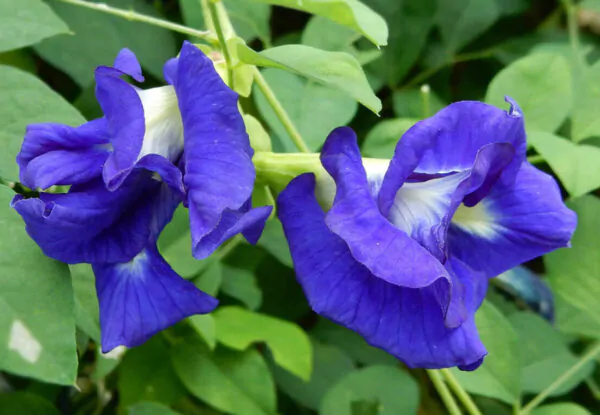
{"x":337,"y":70}
{"x":572,"y":320}
{"x":574,"y":272}
{"x":99,"y":37}
{"x":234,"y":382}
{"x":86,"y":301}
{"x":37,"y":328}
{"x":241,"y":284}
{"x":585,"y":121}
{"x":576,"y":165}
{"x":544,"y":355}
{"x":204,"y":324}
{"x":382,"y":139}
{"x":239,"y":328}
{"x":322,"y":33}
{"x":150,"y":408}
{"x":499,"y":375}
{"x":25,"y":403}
{"x":315,"y":109}
{"x":147,"y":374}
{"x":179,"y":255}
{"x":26,"y":100}
{"x":410,"y":22}
{"x":568,"y":408}
{"x":249,"y":20}
{"x":211,"y":278}
{"x":541,"y":85}
{"x":330,"y":364}
{"x":274,"y":241}
{"x":259,"y":138}
{"x":394,"y":390}
{"x":461,"y":21}
{"x":351,"y":13}
{"x":26,"y":22}
{"x":351,"y":343}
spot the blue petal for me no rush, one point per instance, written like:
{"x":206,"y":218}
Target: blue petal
{"x":91,"y":224}
{"x":219,"y":174}
{"x":139,"y":123}
{"x":126,"y":62}
{"x":513,"y":224}
{"x":142,"y":297}
{"x":56,"y":154}
{"x":450,"y":141}
{"x":385,"y":250}
{"x":407,"y":323}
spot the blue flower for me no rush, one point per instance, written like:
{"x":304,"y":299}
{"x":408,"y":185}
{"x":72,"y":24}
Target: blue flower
{"x":404,"y":255}
{"x":128,"y":171}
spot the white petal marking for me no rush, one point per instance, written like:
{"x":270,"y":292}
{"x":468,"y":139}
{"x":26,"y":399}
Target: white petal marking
{"x":478,"y":220}
{"x":23,"y":342}
{"x":164,"y":128}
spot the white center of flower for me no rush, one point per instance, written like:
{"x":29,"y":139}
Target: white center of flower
{"x":164,"y":128}
{"x":477,"y":220}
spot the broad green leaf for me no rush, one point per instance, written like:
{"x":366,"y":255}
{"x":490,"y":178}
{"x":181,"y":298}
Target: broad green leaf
{"x":98,"y":38}
{"x":351,"y":343}
{"x":410,"y":22}
{"x":37,"y":328}
{"x":590,"y":5}
{"x":234,"y":382}
{"x":382,"y":139}
{"x":393,"y":389}
{"x":26,"y":22}
{"x":241,"y":284}
{"x":179,"y":255}
{"x":249,"y":19}
{"x":150,"y":408}
{"x":461,"y":21}
{"x":544,"y":355}
{"x":568,"y":408}
{"x":499,"y":375}
{"x":585,"y":121}
{"x":147,"y":374}
{"x":510,"y":7}
{"x":330,"y":365}
{"x":26,"y":100}
{"x":25,"y":403}
{"x":238,"y":328}
{"x":541,"y":85}
{"x":338,"y":70}
{"x":573,"y":320}
{"x":410,"y":103}
{"x":574,"y":272}
{"x":204,"y":324}
{"x":322,"y":33}
{"x":273,"y":240}
{"x":211,"y":278}
{"x":576,"y":165}
{"x":315,"y":109}
{"x":351,"y":13}
{"x":86,"y":302}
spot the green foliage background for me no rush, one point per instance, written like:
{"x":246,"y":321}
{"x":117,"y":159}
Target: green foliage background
{"x":263,"y":351}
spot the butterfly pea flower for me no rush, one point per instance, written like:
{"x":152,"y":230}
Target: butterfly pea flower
{"x":405,"y":252}
{"x":128,"y":171}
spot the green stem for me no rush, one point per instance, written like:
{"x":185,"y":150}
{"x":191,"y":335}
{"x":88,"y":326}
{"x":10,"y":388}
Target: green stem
{"x":444,"y":392}
{"x":137,"y":17}
{"x":591,"y":354}
{"x":594,"y":388}
{"x":571,"y":11}
{"x":214,"y":14}
{"x":462,"y":395}
{"x":536,"y":159}
{"x":283,"y":116}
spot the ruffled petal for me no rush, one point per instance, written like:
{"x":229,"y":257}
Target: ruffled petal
{"x":141,"y":297}
{"x":56,"y":154}
{"x":450,"y":141}
{"x":385,"y":250}
{"x":408,"y":323}
{"x":140,"y":123}
{"x":92,"y":224}
{"x":219,"y":173}
{"x":513,"y":224}
{"x":127,"y":64}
